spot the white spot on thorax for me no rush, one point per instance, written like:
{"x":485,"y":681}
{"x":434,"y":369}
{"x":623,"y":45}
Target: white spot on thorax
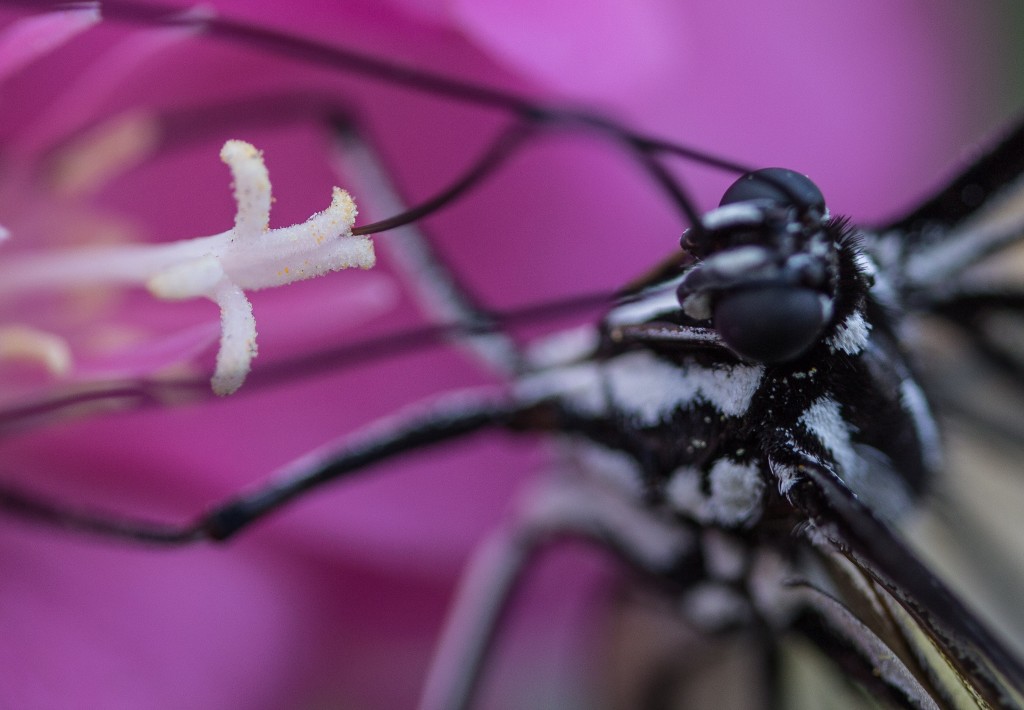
{"x":736,"y":491}
{"x":644,"y":388}
{"x":652,"y":390}
{"x":824,"y":420}
{"x":851,"y":336}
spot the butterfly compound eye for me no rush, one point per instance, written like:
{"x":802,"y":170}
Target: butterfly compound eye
{"x":777,"y":185}
{"x":770,"y":323}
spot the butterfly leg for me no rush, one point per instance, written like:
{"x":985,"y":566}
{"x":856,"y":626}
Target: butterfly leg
{"x":564,"y":507}
{"x":858,"y":651}
{"x":451,"y":417}
{"x":436,"y":287}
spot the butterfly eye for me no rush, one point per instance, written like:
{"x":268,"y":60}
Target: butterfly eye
{"x":770,"y":323}
{"x":779,"y":186}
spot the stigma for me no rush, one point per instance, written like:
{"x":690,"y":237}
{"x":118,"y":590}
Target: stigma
{"x":222,"y":267}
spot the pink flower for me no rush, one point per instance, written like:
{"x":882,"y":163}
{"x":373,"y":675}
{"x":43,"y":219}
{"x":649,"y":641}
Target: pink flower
{"x":338,"y":601}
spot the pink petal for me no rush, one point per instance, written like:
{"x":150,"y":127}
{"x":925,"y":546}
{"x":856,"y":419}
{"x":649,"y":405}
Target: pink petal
{"x":581,"y":48}
{"x":26,"y":39}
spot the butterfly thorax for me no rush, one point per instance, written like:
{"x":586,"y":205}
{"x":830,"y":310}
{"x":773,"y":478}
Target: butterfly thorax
{"x":657,"y":401}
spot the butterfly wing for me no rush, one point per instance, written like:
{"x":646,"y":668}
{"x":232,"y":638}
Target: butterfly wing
{"x":937,"y":637}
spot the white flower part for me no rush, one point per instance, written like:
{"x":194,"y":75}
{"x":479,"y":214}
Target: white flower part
{"x":21,"y":342}
{"x":188,"y":279}
{"x":254,"y":257}
{"x":237,"y":339}
{"x":221,"y":267}
{"x":251,"y":184}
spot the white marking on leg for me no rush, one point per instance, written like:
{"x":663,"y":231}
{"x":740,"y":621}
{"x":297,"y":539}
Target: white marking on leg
{"x":564,"y":347}
{"x":578,"y":386}
{"x":915,"y":404}
{"x":647,"y":306}
{"x":724,"y":556}
{"x":617,"y":468}
{"x":576,"y":505}
{"x":712,"y":606}
{"x":768,"y":584}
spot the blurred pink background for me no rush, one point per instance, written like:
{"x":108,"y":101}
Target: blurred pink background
{"x":337,"y":602}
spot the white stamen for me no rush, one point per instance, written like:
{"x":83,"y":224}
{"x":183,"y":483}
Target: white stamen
{"x":221,"y":267}
{"x":251,"y":184}
{"x":20,"y":342}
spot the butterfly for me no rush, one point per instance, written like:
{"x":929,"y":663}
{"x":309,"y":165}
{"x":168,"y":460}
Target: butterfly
{"x":715,"y":493}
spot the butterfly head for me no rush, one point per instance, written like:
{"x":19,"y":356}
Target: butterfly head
{"x":765,"y":266}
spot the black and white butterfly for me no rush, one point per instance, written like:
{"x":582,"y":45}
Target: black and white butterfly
{"x":746,"y":427}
